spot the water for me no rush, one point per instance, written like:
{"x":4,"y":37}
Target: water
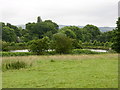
{"x":19,"y":50}
{"x":98,"y":50}
{"x":95,"y":50}
{"x":23,"y":50}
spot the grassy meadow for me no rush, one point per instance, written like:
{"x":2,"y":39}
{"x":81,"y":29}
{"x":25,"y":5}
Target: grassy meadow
{"x":63,"y":71}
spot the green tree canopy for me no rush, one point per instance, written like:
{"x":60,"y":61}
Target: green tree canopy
{"x":8,"y":34}
{"x":93,"y":30}
{"x":68,"y":32}
{"x":62,"y":43}
{"x":39,"y":46}
{"x":16,"y":30}
{"x":77,"y":31}
{"x":40,"y":29}
{"x":106,"y":36}
{"x":116,"y":42}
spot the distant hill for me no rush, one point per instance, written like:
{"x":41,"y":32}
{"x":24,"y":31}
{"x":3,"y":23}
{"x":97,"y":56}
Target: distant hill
{"x":61,"y":26}
{"x":105,"y":29}
{"x":102,"y":29}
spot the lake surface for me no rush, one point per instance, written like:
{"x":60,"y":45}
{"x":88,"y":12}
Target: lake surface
{"x":98,"y":50}
{"x":95,"y":50}
{"x":19,"y":50}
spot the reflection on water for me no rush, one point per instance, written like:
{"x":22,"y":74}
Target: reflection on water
{"x":98,"y":50}
{"x":19,"y":50}
{"x":95,"y":50}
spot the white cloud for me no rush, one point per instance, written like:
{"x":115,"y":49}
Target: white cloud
{"x":74,"y":12}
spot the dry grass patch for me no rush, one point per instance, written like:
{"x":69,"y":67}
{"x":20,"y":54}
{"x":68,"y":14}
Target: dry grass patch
{"x":31,"y":59}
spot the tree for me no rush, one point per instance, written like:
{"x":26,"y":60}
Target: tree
{"x":68,"y":32}
{"x":5,"y":45}
{"x":16,"y":30}
{"x":52,"y":23}
{"x":80,"y":33}
{"x":86,"y":37}
{"x":93,"y":30}
{"x":116,"y":42}
{"x":39,"y":46}
{"x":77,"y":44}
{"x":39,"y":19}
{"x":62,"y":43}
{"x":107,"y":44}
{"x":29,"y":26}
{"x":106,"y":36}
{"x":8,"y":34}
{"x":40,"y":29}
{"x":2,"y":24}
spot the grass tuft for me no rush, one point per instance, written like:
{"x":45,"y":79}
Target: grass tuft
{"x":52,"y":60}
{"x":15,"y":65}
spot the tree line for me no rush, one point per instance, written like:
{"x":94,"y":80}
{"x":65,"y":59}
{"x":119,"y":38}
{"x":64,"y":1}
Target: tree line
{"x":45,"y":35}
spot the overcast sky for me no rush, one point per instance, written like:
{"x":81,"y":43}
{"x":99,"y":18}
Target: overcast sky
{"x":63,"y":12}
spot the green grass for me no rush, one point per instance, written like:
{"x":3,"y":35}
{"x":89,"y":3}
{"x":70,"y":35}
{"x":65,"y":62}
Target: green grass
{"x":64,"y":71}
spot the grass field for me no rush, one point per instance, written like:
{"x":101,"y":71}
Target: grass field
{"x":64,"y":71}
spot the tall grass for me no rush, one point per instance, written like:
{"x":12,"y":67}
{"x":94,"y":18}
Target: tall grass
{"x":19,"y":62}
{"x":12,"y":64}
{"x":15,"y":65}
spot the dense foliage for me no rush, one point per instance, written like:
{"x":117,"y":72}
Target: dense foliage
{"x":9,"y":54}
{"x":116,"y":44}
{"x":41,"y":36}
{"x":62,"y":43}
{"x":40,"y":46}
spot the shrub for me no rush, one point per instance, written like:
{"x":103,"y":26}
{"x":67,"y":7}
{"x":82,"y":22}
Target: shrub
{"x":21,"y":44}
{"x":62,"y":43}
{"x":14,"y":65}
{"x":77,"y":44}
{"x":4,"y":54}
{"x":52,"y":60}
{"x":40,"y":46}
{"x":5,"y":46}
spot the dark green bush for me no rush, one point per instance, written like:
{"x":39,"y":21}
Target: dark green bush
{"x":5,"y":46}
{"x":96,"y":47}
{"x":39,"y":46}
{"x":52,"y":60}
{"x":14,"y":65}
{"x":62,"y":44}
{"x":16,"y":53}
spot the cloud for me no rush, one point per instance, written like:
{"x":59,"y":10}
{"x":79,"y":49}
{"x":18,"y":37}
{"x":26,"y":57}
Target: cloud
{"x":74,"y":12}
